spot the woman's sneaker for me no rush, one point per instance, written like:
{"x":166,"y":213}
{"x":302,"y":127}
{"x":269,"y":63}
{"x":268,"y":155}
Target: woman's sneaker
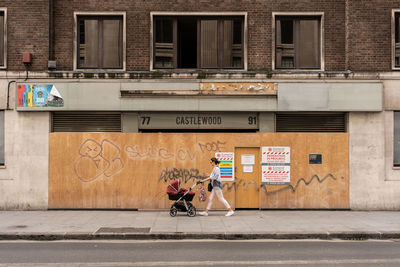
{"x":203,"y":213}
{"x":230,"y":213}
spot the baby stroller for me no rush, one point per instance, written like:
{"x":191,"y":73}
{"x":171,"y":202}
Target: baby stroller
{"x":182,"y":198}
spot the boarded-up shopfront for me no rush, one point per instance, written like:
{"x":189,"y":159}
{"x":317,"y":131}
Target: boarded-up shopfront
{"x":133,"y":170}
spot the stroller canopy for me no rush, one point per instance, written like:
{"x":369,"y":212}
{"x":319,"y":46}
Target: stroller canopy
{"x":173,"y":188}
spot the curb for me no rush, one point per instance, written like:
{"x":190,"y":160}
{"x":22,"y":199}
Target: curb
{"x":215,"y":236}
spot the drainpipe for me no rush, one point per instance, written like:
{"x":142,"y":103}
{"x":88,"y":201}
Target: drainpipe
{"x":51,"y":63}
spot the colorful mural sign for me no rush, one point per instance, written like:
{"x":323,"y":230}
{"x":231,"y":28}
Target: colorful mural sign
{"x":226,"y":165}
{"x":31,"y":95}
{"x":275,"y":163}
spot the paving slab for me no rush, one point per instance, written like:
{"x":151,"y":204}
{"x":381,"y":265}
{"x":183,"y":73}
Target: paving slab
{"x":245,"y":224}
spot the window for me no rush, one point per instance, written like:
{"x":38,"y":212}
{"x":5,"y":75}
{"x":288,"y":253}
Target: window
{"x":298,"y":42}
{"x":396,"y":38}
{"x":2,"y":123}
{"x":3,"y":37}
{"x":198,"y":42}
{"x":396,"y":150}
{"x":100,"y":41}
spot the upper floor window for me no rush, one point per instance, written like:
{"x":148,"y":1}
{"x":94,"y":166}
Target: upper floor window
{"x":396,"y":38}
{"x":198,"y":42}
{"x":298,"y":42}
{"x":3,"y":37}
{"x":100,"y":41}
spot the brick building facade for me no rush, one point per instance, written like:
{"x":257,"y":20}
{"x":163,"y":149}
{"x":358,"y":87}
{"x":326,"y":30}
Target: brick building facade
{"x":327,"y":61}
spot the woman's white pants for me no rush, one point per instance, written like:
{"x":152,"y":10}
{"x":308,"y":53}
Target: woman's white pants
{"x":218,"y":192}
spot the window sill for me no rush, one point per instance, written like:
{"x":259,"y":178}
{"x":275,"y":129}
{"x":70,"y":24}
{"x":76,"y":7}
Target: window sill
{"x":396,"y":168}
{"x":98,"y":70}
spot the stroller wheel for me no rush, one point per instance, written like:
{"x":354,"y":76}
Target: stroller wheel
{"x":173,"y":211}
{"x":191,"y":211}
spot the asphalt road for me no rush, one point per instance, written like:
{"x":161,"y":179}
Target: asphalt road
{"x":201,"y":253}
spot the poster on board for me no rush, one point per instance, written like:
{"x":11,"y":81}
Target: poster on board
{"x":275,"y":165}
{"x":226,"y":165}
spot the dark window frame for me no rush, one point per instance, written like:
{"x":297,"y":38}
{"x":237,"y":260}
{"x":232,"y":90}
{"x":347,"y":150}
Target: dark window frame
{"x":396,"y":138}
{"x":173,"y":49}
{"x":276,"y":46}
{"x":396,"y":39}
{"x":100,"y":16}
{"x":3,"y":38}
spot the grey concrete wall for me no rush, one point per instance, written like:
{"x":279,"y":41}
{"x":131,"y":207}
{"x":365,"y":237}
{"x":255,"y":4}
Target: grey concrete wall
{"x":267,"y":122}
{"x":372,"y":187}
{"x":333,"y":96}
{"x":24,"y":179}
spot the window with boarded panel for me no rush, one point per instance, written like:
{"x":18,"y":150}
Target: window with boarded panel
{"x":396,"y":139}
{"x":311,"y":122}
{"x":86,"y":122}
{"x":298,"y":42}
{"x":100,"y":41}
{"x":2,"y":38}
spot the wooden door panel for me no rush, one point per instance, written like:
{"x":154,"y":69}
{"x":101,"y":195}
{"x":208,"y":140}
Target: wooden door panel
{"x":248,"y":183}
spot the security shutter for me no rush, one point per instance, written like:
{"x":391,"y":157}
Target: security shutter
{"x":311,"y":122}
{"x":86,"y":122}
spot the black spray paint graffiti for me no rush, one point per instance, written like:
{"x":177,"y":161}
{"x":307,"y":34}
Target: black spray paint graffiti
{"x":98,"y":159}
{"x":301,"y":180}
{"x":185,"y":175}
{"x":241,"y":183}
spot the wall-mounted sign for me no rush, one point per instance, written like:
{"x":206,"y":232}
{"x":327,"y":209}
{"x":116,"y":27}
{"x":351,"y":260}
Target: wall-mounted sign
{"x":275,"y":163}
{"x":32,"y":95}
{"x":275,"y":155}
{"x":169,"y":120}
{"x":247,"y":168}
{"x":275,"y":174}
{"x":315,"y":159}
{"x":226,"y":165}
{"x":248,"y":159}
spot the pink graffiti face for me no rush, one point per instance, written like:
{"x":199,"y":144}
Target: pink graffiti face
{"x":90,"y":149}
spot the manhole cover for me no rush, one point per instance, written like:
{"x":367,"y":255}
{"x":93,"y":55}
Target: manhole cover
{"x":123,"y":230}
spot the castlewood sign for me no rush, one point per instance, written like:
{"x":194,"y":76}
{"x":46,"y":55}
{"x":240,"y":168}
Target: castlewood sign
{"x":198,"y":121}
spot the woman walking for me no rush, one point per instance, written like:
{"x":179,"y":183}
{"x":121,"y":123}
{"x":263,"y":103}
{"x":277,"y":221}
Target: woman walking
{"x":216,"y":182}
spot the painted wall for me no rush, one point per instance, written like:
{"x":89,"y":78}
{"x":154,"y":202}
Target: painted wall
{"x":24,"y":179}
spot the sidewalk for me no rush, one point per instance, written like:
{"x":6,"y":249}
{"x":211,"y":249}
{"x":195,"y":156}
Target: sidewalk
{"x":299,"y":224}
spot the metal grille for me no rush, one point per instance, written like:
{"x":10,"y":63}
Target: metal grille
{"x":86,"y":122}
{"x":311,"y":122}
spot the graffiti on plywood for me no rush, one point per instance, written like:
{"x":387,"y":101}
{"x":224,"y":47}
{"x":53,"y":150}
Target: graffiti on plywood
{"x":293,"y":189}
{"x":98,"y":159}
{"x":185,"y":175}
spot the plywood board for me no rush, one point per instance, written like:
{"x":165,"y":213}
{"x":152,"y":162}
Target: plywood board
{"x":133,"y":170}
{"x":312,"y":186}
{"x":129,"y":171}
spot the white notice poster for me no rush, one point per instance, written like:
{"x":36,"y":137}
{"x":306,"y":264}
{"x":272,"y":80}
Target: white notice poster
{"x":276,"y":174}
{"x":248,"y":159}
{"x":247,"y":168}
{"x":275,"y":161}
{"x":275,"y":155}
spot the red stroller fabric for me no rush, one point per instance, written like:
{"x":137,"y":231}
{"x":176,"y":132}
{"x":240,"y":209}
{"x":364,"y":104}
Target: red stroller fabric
{"x":175,"y":192}
{"x":173,"y":188}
